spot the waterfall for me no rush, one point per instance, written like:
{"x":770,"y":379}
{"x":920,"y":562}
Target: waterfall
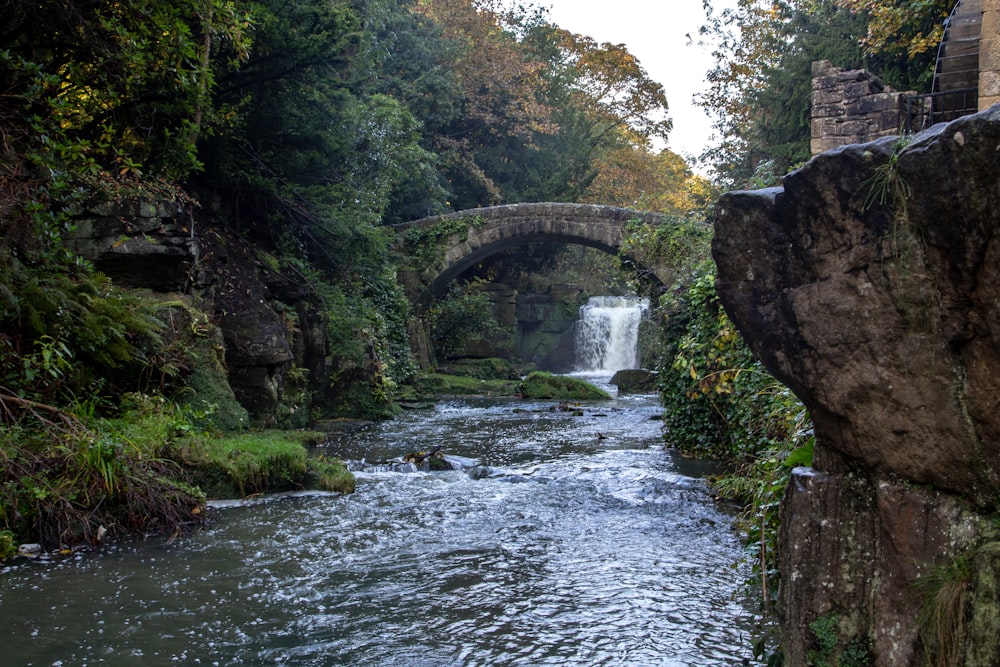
{"x":607,"y":333}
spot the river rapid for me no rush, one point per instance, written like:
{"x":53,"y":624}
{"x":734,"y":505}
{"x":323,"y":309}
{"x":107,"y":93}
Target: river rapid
{"x":575,"y":540}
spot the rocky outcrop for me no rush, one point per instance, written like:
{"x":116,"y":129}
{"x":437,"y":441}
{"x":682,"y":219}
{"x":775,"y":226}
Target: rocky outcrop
{"x":635,"y":381}
{"x":138,"y":244}
{"x":270,"y":322}
{"x":870,"y":284}
{"x":545,"y":327}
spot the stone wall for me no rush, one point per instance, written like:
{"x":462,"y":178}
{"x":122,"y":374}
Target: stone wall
{"x":851,"y":107}
{"x":989,"y":56}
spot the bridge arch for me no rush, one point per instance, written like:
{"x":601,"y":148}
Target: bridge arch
{"x":436,"y":250}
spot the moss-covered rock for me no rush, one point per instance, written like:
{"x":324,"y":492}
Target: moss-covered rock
{"x":491,"y":368}
{"x":635,"y":381}
{"x":330,"y":475}
{"x":540,"y":384}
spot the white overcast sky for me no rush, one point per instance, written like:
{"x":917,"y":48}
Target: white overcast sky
{"x":655,"y":32}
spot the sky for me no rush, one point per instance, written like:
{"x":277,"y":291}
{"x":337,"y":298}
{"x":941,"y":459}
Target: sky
{"x":655,"y":32}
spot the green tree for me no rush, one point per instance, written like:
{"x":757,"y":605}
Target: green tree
{"x":101,"y":101}
{"x":896,"y":27}
{"x":116,"y":87}
{"x":614,"y":87}
{"x":817,"y":30}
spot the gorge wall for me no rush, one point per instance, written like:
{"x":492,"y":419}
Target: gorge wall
{"x":264,"y":324}
{"x":870,"y":284}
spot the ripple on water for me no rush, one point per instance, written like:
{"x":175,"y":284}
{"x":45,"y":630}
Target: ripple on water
{"x":602,"y":553}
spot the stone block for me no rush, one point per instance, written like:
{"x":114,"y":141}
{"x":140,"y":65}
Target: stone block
{"x":890,"y":122}
{"x":989,"y":84}
{"x":821,"y":67}
{"x":827,"y":110}
{"x":824,"y":144}
{"x":852,"y":76}
{"x":825,"y":127}
{"x":832,"y":96}
{"x":989,"y":55}
{"x":827,"y":83}
{"x":853,"y":91}
{"x":874,"y":103}
{"x":852,"y":128}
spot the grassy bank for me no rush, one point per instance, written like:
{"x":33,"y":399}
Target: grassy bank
{"x":70,"y":479}
{"x":253,"y":463}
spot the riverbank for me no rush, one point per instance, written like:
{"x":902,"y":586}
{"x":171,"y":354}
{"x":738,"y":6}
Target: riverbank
{"x":153,"y":468}
{"x":150,"y":470}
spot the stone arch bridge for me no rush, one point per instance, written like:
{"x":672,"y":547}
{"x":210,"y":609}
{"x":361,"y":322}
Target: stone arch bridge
{"x":434,"y":251}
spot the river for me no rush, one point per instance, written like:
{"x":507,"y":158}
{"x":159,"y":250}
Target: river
{"x":576,"y":540}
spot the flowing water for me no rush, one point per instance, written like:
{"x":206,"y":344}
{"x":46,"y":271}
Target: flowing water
{"x":572,"y":540}
{"x":607,"y":331}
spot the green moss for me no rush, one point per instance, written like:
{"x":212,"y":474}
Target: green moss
{"x":262,"y":462}
{"x":833,"y":647}
{"x":7,"y":546}
{"x":424,"y":243}
{"x":492,"y":368}
{"x":983,"y":630}
{"x":540,"y":384}
{"x":330,"y":475}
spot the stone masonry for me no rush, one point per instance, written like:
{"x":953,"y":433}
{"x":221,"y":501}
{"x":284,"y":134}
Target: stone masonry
{"x":989,"y":56}
{"x":851,"y":107}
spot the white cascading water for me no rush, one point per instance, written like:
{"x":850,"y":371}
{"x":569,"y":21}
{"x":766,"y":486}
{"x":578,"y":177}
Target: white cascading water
{"x":607,"y":333}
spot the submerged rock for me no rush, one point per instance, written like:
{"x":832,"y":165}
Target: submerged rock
{"x":29,"y":550}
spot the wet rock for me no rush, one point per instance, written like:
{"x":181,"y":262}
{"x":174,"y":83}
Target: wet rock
{"x":138,"y":244}
{"x":635,"y":381}
{"x":29,"y":550}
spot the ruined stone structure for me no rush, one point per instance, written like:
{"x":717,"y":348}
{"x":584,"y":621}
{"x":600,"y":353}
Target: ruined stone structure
{"x":851,"y":107}
{"x":870,"y":284}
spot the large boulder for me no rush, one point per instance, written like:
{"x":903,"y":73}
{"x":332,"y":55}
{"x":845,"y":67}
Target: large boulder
{"x":870,"y":284}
